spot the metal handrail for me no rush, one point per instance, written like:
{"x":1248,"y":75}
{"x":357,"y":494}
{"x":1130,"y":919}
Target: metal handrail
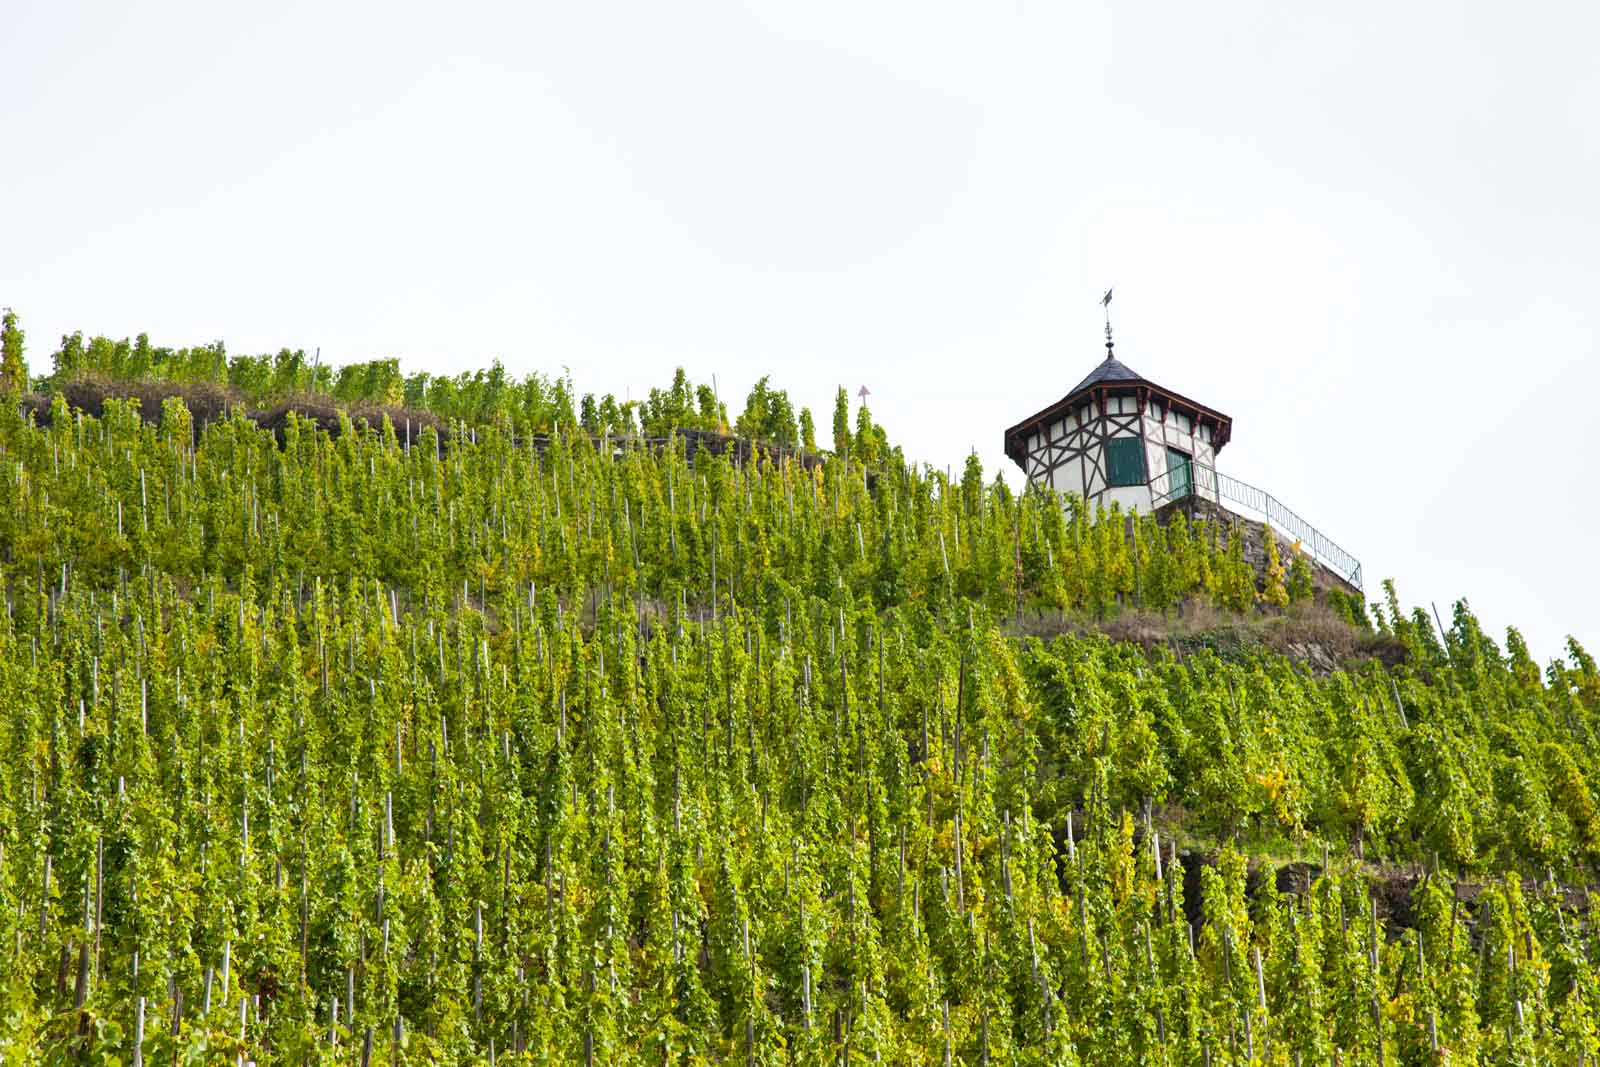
{"x":1208,"y":482}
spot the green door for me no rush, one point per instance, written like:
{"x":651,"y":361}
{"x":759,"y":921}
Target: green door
{"x":1179,"y":474}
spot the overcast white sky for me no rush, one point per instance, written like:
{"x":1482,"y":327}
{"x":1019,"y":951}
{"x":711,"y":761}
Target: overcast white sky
{"x":1371,"y":237}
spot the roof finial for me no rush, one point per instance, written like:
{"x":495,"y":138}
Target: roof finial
{"x":1105,"y":302}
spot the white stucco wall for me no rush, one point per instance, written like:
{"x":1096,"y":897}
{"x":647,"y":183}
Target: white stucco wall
{"x":1131,"y":497}
{"x":1069,"y":478}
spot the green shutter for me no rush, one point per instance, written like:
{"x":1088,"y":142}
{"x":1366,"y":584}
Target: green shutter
{"x":1179,"y":474}
{"x":1125,"y":461}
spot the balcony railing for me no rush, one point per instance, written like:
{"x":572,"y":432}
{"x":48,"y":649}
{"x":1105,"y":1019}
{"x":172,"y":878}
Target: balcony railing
{"x":1243,"y":498}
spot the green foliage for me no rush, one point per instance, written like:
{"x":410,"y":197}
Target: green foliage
{"x":841,"y":421}
{"x":675,"y":408}
{"x":533,"y":404}
{"x":13,"y":368}
{"x":598,"y":749}
{"x":1274,"y":593}
{"x":769,"y":416}
{"x":871,"y":442}
{"x":1299,"y":588}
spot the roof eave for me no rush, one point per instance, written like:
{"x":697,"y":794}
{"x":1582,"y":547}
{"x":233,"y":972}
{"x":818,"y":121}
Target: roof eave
{"x":1013,"y":433}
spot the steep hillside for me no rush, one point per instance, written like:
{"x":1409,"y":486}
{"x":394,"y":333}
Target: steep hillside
{"x":317,"y":747}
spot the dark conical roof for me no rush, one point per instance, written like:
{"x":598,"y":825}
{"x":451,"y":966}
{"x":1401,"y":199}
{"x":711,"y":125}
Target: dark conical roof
{"x":1117,"y":376}
{"x":1110,"y":369}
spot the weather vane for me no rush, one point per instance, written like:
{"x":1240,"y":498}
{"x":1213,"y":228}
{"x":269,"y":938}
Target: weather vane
{"x":1105,"y":302}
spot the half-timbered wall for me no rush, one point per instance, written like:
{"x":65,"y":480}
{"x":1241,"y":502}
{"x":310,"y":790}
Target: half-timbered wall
{"x":1067,"y":452}
{"x":1165,"y":429}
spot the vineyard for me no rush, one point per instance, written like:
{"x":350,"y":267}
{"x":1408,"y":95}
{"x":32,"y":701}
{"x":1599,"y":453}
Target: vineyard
{"x":505,"y":740}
